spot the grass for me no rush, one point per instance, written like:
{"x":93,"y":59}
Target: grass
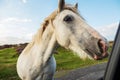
{"x":65,"y":59}
{"x":8,"y":59}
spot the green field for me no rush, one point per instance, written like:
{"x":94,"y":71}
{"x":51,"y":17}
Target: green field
{"x":66,"y":61}
{"x":8,"y":59}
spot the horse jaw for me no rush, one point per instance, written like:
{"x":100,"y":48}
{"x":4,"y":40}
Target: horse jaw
{"x":79,"y":52}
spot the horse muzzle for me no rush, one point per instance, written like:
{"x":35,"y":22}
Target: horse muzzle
{"x":97,"y":49}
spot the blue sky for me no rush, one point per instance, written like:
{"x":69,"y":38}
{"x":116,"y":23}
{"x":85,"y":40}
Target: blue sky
{"x":20,"y":19}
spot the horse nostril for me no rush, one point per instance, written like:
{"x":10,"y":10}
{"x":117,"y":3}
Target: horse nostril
{"x":102,"y":46}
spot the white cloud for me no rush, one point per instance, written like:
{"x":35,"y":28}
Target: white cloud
{"x":15,"y":30}
{"x":12,"y":40}
{"x":108,"y":31}
{"x":14,"y":20}
{"x":24,"y":1}
{"x":11,"y":25}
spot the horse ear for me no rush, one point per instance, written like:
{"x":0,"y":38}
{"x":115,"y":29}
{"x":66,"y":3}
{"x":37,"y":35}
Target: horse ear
{"x":76,"y":5}
{"x":61,"y":5}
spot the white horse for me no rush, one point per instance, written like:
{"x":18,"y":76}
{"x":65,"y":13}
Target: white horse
{"x":67,"y":28}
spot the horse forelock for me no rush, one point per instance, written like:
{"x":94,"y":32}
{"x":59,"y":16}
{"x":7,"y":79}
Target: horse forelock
{"x":71,"y":8}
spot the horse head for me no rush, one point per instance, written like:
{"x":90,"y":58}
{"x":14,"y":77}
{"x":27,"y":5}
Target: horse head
{"x":72,"y":32}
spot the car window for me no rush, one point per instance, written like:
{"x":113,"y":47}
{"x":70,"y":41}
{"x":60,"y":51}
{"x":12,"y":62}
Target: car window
{"x":112,"y":70}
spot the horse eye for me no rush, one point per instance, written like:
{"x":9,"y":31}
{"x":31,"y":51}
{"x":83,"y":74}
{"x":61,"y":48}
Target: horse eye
{"x":68,"y":18}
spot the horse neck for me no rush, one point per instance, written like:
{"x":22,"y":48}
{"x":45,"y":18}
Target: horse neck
{"x":42,"y":45}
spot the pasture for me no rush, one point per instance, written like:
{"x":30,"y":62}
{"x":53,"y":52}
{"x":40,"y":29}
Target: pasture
{"x":66,"y":61}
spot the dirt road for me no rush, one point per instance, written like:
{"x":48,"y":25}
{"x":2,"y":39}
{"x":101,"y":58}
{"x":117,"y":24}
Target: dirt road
{"x":88,"y":73}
